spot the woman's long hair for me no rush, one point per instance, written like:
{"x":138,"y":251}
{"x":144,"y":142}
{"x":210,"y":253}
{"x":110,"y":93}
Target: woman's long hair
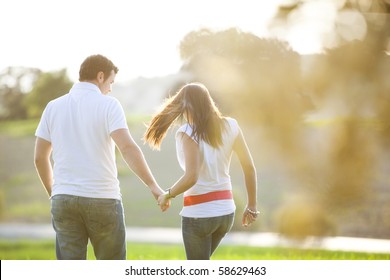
{"x":194,"y":103}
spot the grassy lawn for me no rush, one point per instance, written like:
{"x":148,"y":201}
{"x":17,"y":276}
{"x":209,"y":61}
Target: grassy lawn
{"x":19,"y":128}
{"x":45,"y":250}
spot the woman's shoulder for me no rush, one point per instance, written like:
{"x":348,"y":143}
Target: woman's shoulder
{"x":232,"y":122}
{"x":233,"y":125}
{"x":185,"y":128}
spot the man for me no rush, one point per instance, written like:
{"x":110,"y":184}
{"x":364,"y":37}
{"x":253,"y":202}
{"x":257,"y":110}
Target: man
{"x":80,"y":130}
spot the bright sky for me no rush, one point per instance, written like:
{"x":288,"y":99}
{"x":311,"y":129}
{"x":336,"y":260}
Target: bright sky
{"x":140,"y":36}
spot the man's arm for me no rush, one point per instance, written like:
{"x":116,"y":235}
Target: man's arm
{"x":42,"y":163}
{"x":135,"y":159}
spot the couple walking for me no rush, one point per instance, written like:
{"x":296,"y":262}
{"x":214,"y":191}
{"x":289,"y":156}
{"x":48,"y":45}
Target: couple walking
{"x":80,"y":130}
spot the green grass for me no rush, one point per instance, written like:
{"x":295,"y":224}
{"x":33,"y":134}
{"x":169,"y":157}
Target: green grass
{"x":45,"y":250}
{"x":19,"y":128}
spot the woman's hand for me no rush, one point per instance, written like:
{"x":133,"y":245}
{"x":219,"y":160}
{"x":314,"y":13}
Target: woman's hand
{"x":164,"y":202}
{"x":249,"y":216}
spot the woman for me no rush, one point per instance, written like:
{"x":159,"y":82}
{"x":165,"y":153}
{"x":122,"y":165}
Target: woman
{"x":204,"y":145}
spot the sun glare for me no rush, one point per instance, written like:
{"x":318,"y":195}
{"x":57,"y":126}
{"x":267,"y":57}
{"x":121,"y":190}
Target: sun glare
{"x":143,"y":37}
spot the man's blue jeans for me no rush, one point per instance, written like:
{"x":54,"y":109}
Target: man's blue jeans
{"x":79,"y":219}
{"x":202,"y":236}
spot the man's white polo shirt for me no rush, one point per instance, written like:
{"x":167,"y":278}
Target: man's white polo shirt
{"x":78,"y":125}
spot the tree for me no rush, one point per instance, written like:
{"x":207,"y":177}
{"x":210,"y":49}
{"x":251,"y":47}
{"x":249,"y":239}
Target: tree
{"x":323,"y":130}
{"x":349,"y":88}
{"x":254,"y":72}
{"x":49,"y":86}
{"x":15,"y":83}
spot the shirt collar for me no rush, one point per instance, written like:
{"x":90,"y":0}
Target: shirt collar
{"x":85,"y":86}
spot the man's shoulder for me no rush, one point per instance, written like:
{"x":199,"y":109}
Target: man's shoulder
{"x":111,"y":101}
{"x":57,"y":100}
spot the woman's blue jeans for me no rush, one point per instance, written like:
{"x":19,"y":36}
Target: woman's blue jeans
{"x":79,"y":219}
{"x":202,"y":236}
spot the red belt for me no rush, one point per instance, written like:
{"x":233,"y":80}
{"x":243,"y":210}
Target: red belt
{"x":202,"y":198}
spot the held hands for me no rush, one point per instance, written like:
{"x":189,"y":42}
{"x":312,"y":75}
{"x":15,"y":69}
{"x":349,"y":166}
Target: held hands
{"x":164,"y":201}
{"x":249,"y":216}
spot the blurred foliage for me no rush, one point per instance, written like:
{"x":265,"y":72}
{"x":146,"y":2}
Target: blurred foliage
{"x":48,"y":87}
{"x":15,"y":83}
{"x":323,"y":119}
{"x":24,"y":92}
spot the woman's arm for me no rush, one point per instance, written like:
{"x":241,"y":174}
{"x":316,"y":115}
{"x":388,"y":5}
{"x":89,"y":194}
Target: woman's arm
{"x":241,"y":149}
{"x":192,"y":166}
